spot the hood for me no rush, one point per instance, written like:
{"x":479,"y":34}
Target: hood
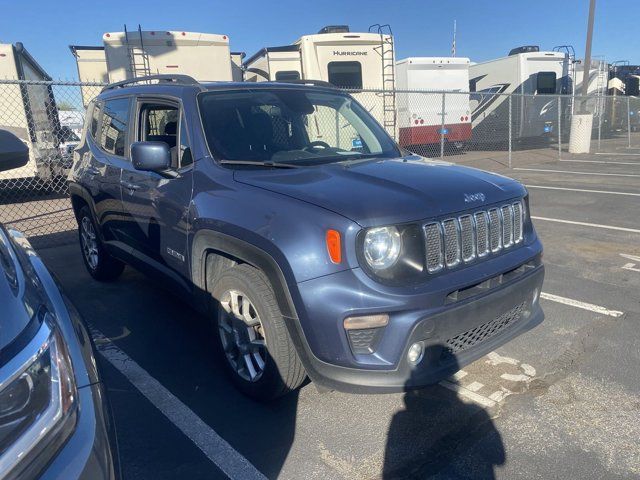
{"x":383,"y":192}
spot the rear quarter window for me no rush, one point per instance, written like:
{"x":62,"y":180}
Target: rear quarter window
{"x":115,"y":126}
{"x":95,"y":119}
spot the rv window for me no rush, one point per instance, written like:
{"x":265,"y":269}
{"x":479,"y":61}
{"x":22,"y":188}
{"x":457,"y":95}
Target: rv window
{"x":285,"y":75}
{"x":632,"y":86}
{"x":115,"y":124}
{"x":345,"y":74}
{"x":546,"y":82}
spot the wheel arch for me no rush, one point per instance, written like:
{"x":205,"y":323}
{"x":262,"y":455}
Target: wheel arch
{"x":209,"y":242}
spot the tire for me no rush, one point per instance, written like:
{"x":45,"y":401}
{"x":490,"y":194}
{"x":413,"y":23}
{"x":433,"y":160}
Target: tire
{"x":98,"y":262}
{"x":282,"y":371}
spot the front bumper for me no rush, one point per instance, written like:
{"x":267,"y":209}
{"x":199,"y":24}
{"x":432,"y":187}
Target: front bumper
{"x":454,"y":335}
{"x":87,"y":452}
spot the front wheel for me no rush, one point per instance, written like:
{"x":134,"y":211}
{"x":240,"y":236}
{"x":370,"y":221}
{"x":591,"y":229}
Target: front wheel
{"x":258,"y":353}
{"x":97,"y":260}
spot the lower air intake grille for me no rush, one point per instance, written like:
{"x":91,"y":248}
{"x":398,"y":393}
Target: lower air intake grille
{"x":482,"y":332}
{"x":364,"y":340}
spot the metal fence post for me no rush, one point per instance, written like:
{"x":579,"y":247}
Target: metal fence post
{"x":629,"y":120}
{"x":602,"y":108}
{"x":442,"y":126}
{"x":510,"y":128}
{"x":559,"y":127}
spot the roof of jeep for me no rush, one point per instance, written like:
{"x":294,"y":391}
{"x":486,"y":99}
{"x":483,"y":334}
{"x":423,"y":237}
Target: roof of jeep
{"x":168,"y":87}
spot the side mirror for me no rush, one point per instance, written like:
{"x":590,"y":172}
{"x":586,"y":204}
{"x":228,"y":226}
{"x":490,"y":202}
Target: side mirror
{"x":13,"y":152}
{"x":151,"y":156}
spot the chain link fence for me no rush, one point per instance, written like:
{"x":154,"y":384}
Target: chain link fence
{"x":48,"y":117}
{"x":457,"y":126}
{"x":503,"y":127}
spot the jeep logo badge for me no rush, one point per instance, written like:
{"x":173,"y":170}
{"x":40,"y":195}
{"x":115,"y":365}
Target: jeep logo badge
{"x":474,"y":197}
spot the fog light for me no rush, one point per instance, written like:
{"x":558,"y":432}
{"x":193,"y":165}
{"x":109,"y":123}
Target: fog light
{"x":415,"y":353}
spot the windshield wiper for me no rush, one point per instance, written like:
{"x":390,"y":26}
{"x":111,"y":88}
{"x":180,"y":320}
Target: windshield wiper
{"x":260,"y":164}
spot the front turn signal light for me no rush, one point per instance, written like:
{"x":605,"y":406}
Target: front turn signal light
{"x":334,"y":246}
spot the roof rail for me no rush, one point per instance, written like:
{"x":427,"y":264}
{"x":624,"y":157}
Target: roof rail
{"x":176,"y":79}
{"x":317,"y":83}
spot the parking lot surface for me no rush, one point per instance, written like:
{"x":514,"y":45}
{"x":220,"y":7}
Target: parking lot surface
{"x":561,"y":401}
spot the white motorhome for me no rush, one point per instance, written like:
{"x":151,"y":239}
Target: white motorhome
{"x":420,"y":120}
{"x":598,"y":77}
{"x":29,"y":111}
{"x":92,"y":68}
{"x":338,"y":56}
{"x":536,"y":77}
{"x":204,"y":56}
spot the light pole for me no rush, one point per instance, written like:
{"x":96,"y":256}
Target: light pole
{"x":587,"y":51}
{"x":582,"y":122}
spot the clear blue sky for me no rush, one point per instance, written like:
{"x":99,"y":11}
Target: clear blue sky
{"x":486,"y":29}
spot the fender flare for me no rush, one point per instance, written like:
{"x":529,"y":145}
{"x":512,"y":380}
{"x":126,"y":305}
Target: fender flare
{"x":77,"y":190}
{"x":206,"y":241}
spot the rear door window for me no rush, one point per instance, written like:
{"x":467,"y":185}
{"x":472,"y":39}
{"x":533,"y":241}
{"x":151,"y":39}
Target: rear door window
{"x":115,"y":126}
{"x":345,"y":74}
{"x":546,"y":82}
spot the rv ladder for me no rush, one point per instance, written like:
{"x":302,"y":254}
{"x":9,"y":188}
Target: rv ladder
{"x":138,"y":57}
{"x":387,"y":56}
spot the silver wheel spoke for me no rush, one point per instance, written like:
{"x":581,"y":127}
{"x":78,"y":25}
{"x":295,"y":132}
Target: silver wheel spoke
{"x":259,"y":361}
{"x":250,"y":367}
{"x":242,"y":337}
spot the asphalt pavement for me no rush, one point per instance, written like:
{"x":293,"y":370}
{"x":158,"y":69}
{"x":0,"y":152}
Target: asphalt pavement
{"x":561,"y":401}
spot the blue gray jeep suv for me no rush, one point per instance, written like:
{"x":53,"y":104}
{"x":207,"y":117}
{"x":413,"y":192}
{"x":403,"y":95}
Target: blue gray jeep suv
{"x":317,"y":246}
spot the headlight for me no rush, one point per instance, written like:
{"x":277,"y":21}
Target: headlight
{"x":382,"y":247}
{"x":38,"y":400}
{"x":392,"y":254}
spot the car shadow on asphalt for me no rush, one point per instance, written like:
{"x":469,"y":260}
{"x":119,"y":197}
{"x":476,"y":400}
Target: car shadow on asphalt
{"x":438,"y":435}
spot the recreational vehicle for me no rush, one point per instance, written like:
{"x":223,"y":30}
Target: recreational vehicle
{"x":92,"y":68}
{"x":29,"y":111}
{"x":355,"y":61}
{"x":204,"y":56}
{"x":420,"y":116}
{"x":623,"y":110}
{"x":536,"y":77}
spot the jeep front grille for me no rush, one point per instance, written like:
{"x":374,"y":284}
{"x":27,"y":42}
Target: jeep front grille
{"x":463,"y":239}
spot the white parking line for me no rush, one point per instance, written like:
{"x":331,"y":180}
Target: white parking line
{"x":619,"y":153}
{"x":601,"y":161}
{"x":583,"y":305}
{"x":585,"y":224}
{"x":468,"y":394}
{"x":583,"y":190}
{"x":548,"y":170}
{"x":223,"y":455}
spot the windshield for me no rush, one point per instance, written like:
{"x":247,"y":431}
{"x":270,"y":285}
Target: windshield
{"x":290,"y":126}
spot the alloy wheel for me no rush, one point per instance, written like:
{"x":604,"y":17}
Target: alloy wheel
{"x":242,"y":335}
{"x":89,"y":242}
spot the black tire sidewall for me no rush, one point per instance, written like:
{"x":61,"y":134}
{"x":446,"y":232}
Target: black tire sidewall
{"x":270,"y":384}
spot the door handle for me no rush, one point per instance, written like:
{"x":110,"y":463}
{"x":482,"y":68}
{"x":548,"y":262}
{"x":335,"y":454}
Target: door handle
{"x":93,"y":171}
{"x":129,"y":186}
